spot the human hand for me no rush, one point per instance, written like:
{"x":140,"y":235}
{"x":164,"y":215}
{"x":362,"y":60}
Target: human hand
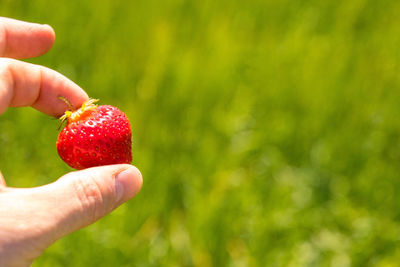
{"x":32,"y":219}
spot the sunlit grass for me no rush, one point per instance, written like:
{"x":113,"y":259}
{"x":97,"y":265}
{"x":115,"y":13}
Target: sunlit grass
{"x":267,"y":131}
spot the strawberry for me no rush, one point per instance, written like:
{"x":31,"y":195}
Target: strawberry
{"x":94,"y":136}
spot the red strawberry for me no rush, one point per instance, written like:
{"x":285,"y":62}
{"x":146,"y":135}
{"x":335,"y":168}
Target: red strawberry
{"x":94,"y":136}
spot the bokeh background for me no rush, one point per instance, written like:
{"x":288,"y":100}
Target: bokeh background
{"x":267,"y":132}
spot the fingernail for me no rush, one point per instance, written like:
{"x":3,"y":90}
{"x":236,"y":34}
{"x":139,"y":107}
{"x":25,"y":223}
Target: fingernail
{"x":48,"y":27}
{"x":119,"y":188}
{"x":127,"y":184}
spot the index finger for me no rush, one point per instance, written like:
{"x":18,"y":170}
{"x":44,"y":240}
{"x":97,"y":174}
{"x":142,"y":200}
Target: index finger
{"x":25,"y":84}
{"x":19,"y":39}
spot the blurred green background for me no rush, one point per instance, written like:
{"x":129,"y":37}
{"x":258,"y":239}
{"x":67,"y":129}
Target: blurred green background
{"x":267,"y":132}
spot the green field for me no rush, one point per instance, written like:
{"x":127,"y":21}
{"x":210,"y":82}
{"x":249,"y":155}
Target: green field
{"x":267,"y":132}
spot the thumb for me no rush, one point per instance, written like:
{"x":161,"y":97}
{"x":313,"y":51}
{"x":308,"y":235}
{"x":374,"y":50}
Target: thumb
{"x":82,"y":197}
{"x":34,"y":218}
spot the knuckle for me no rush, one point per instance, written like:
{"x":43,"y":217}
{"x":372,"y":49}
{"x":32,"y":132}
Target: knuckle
{"x":7,"y":84}
{"x":5,"y":64}
{"x":90,"y":197}
{"x":3,"y":39}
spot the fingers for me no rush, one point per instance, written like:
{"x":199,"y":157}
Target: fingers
{"x":82,"y":197}
{"x":25,"y":84}
{"x":20,"y":39}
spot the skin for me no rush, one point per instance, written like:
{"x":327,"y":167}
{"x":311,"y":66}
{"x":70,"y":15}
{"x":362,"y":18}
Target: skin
{"x":31,"y":219}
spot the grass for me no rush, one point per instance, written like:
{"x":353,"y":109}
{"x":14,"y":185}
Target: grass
{"x":267,"y":132}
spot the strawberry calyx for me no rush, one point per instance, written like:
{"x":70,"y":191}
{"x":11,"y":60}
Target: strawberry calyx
{"x":74,"y":115}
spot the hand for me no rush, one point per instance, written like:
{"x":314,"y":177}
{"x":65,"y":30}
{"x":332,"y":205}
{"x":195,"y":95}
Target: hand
{"x":32,"y":219}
